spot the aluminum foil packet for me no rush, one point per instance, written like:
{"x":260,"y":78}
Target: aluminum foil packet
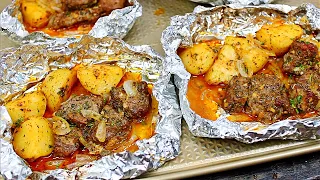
{"x":22,"y":68}
{"x":117,"y":24}
{"x":241,"y":2}
{"x":217,"y":23}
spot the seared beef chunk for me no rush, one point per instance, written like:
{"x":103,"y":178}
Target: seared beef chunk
{"x":134,"y":104}
{"x":83,"y":11}
{"x":67,"y":144}
{"x":268,"y":98}
{"x":237,"y":94}
{"x":71,"y":109}
{"x":305,"y":92}
{"x":300,"y":58}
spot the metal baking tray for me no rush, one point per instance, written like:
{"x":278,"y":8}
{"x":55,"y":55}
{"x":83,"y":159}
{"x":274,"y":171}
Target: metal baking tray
{"x":200,"y":156}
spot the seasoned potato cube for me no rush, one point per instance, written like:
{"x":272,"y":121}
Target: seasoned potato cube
{"x":279,"y":37}
{"x":198,"y":58}
{"x":34,"y":14}
{"x":224,"y":68}
{"x":27,"y":105}
{"x":57,"y":87}
{"x":99,"y":79}
{"x":34,"y":138}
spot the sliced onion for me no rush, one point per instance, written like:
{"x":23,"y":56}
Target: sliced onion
{"x":101,"y":133}
{"x":91,"y":114}
{"x":242,"y":69}
{"x":60,"y":126}
{"x":129,"y":88}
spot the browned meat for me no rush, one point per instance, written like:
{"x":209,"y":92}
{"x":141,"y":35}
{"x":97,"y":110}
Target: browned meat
{"x":300,"y":58}
{"x":268,"y":99}
{"x":109,"y":5}
{"x":237,"y":94}
{"x":71,"y":109}
{"x":77,"y":4}
{"x":133,"y":106}
{"x":67,"y":144}
{"x":305,"y":92}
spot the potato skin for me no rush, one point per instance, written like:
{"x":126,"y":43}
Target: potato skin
{"x":279,"y":37}
{"x":199,"y":58}
{"x":27,"y":105}
{"x":33,"y":14}
{"x":57,"y":87}
{"x":99,"y":79}
{"x":224,"y":68}
{"x":34,"y":138}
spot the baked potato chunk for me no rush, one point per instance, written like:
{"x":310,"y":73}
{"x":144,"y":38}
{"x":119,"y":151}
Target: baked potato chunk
{"x":99,"y":79}
{"x":34,"y":138}
{"x":199,"y":58}
{"x":27,"y":105}
{"x":57,"y":87}
{"x":34,"y":14}
{"x":279,"y":37}
{"x":224,"y":68}
{"x":252,"y":55}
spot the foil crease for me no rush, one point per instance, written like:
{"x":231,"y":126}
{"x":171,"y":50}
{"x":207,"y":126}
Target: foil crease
{"x":241,"y":2}
{"x":117,"y":24}
{"x":26,"y":66}
{"x":217,"y":23}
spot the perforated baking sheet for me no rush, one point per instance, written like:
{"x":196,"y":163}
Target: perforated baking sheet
{"x":200,"y":155}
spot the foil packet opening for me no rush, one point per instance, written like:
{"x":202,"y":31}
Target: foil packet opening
{"x":21,"y":68}
{"x":234,"y":20}
{"x":117,"y":24}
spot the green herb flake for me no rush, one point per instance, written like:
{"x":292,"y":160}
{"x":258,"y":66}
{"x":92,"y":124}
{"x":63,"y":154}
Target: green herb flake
{"x":295,"y":102}
{"x":19,"y":122}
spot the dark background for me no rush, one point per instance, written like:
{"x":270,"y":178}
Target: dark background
{"x":295,"y":168}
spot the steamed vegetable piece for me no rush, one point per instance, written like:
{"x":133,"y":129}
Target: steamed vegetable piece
{"x":34,"y":14}
{"x":198,"y":58}
{"x":279,"y":37}
{"x":34,"y":138}
{"x":252,"y":55}
{"x":224,"y":68}
{"x":99,"y":79}
{"x":30,"y":104}
{"x":57,"y":87}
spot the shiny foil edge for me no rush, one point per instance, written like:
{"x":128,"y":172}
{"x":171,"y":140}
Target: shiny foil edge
{"x":241,"y":2}
{"x":117,"y":24}
{"x":184,"y":31}
{"x":152,"y":153}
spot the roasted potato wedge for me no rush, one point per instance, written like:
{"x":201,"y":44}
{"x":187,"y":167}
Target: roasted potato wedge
{"x":99,"y":79}
{"x":57,"y":87}
{"x":199,"y":58}
{"x":30,"y":104}
{"x":279,"y":37}
{"x":34,"y":138}
{"x":34,"y":14}
{"x":224,"y":68}
{"x":252,"y":55}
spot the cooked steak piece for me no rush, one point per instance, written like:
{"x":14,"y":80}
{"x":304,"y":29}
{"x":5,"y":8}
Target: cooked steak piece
{"x":300,"y":58}
{"x":305,"y":92}
{"x":71,"y":109}
{"x":268,"y":98}
{"x":135,"y":103}
{"x":77,"y":4}
{"x":109,"y":5}
{"x":67,"y":144}
{"x":237,"y":94}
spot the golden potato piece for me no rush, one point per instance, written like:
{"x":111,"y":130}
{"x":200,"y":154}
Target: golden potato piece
{"x":279,"y":37}
{"x":224,"y":68}
{"x":199,"y":58}
{"x":57,"y":87}
{"x":34,"y":138}
{"x":34,"y":14}
{"x":99,"y":79}
{"x":30,"y":104}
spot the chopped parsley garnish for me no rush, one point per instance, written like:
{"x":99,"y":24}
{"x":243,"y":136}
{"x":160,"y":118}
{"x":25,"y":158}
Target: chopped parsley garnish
{"x":295,"y":102}
{"x":18,"y":122}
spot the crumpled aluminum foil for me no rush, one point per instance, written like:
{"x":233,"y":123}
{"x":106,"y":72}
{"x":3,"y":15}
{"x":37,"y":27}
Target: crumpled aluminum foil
{"x":219,"y":22}
{"x":23,"y":67}
{"x":241,"y":2}
{"x":117,"y":24}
